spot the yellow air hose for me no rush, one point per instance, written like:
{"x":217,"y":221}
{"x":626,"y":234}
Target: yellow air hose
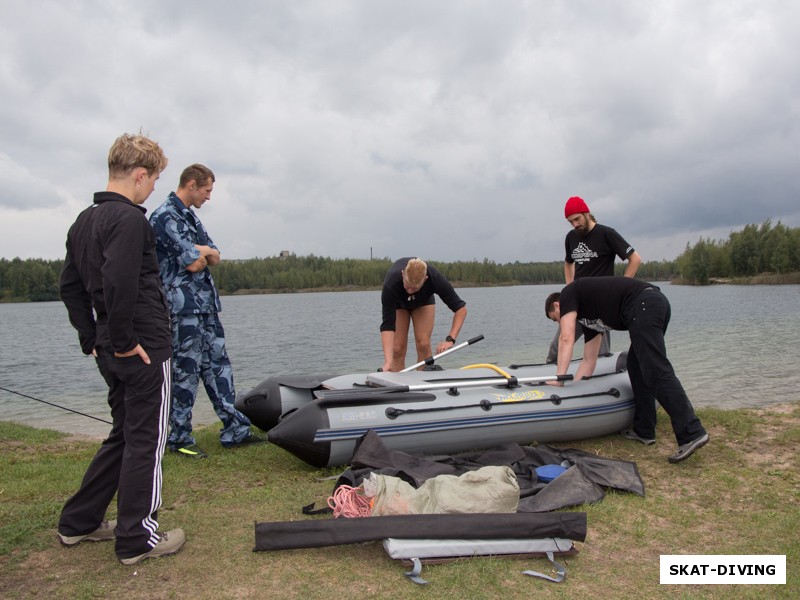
{"x":494,"y":368}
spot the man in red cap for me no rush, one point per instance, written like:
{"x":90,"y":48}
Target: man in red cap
{"x":591,"y":250}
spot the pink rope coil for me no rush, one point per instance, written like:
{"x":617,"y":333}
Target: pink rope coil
{"x":350,"y":502}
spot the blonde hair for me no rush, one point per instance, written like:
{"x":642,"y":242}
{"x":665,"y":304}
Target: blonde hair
{"x":415,"y":272}
{"x":129,"y":152}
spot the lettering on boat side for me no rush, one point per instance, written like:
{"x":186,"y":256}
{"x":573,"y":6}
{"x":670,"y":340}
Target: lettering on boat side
{"x":359,"y":415}
{"x":517,"y":396}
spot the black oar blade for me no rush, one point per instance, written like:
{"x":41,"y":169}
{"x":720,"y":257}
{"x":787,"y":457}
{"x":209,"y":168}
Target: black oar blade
{"x":359,"y":391}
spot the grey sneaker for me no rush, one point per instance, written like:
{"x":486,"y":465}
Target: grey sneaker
{"x":102,"y":534}
{"x":630,"y":434}
{"x":686,"y":450}
{"x":168,"y":543}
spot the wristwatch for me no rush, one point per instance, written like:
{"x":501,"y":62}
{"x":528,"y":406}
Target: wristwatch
{"x":450,"y":339}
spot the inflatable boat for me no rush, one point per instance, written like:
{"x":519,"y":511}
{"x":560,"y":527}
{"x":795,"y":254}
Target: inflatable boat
{"x":320,"y":419}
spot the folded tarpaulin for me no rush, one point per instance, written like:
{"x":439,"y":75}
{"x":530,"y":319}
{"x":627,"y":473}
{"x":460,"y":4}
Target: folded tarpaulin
{"x":583,"y":482}
{"x":316,"y":533}
{"x":489,"y":489}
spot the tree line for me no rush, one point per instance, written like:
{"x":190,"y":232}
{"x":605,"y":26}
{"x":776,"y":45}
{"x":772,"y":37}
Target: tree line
{"x":36,"y":280}
{"x":755,"y":250}
{"x":292,"y":273}
{"x":752,"y":251}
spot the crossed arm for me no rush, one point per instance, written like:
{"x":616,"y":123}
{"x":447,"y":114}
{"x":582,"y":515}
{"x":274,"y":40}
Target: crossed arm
{"x":209,"y":257}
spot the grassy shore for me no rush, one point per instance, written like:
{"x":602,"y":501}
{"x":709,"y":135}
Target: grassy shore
{"x":738,"y":495}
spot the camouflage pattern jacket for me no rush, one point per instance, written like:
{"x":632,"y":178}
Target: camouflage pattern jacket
{"x":178,"y":232}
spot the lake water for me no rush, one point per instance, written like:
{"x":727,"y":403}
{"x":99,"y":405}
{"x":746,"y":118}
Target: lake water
{"x":732,"y":346}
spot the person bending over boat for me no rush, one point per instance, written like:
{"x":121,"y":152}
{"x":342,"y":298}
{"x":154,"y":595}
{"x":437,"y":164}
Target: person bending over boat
{"x":407,"y":297}
{"x":625,"y":304}
{"x":591,"y":250}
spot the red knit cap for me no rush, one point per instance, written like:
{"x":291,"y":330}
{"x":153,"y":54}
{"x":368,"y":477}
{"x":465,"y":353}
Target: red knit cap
{"x":575,"y":205}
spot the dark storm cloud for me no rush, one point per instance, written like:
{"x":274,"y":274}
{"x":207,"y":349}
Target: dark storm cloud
{"x":454,"y":129}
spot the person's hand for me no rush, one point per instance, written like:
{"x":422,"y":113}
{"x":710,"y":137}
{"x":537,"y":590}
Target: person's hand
{"x":555,"y":382}
{"x":443,"y":346}
{"x":136,"y":350}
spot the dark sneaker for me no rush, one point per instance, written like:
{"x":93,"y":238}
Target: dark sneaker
{"x":686,"y":450}
{"x":102,"y":534}
{"x":189,"y":451}
{"x":252,"y":438}
{"x":630,"y":434}
{"x":168,"y":543}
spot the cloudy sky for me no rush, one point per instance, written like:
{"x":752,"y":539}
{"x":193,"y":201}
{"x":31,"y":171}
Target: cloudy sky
{"x":448,"y":129}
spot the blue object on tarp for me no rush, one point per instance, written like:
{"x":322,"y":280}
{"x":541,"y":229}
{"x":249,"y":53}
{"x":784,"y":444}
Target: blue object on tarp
{"x":547,"y":473}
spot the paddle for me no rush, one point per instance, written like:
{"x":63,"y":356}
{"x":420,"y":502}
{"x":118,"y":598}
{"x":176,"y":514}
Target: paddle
{"x":444,"y":385}
{"x":430,"y":359}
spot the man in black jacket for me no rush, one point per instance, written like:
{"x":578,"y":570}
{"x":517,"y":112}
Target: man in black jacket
{"x":622,"y":303}
{"x":111,"y":287}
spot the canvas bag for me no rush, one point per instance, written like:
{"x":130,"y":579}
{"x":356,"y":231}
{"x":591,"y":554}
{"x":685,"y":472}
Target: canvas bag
{"x":492,"y":489}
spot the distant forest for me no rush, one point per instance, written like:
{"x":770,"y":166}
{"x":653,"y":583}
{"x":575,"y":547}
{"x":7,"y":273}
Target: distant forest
{"x":758,"y":253}
{"x":744,"y":257}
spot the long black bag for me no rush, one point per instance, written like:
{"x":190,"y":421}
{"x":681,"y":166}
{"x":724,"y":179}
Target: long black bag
{"x":316,"y":533}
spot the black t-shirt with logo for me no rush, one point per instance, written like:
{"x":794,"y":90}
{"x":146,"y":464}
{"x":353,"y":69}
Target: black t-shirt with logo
{"x":594,"y":253}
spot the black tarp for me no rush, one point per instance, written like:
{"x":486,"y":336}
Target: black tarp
{"x":583,"y":482}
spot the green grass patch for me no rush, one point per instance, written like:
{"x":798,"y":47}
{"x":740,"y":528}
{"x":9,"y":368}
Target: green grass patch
{"x":738,"y":495}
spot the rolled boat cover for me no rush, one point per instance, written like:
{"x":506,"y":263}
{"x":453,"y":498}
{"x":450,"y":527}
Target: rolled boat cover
{"x":317,"y":533}
{"x":488,"y":490}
